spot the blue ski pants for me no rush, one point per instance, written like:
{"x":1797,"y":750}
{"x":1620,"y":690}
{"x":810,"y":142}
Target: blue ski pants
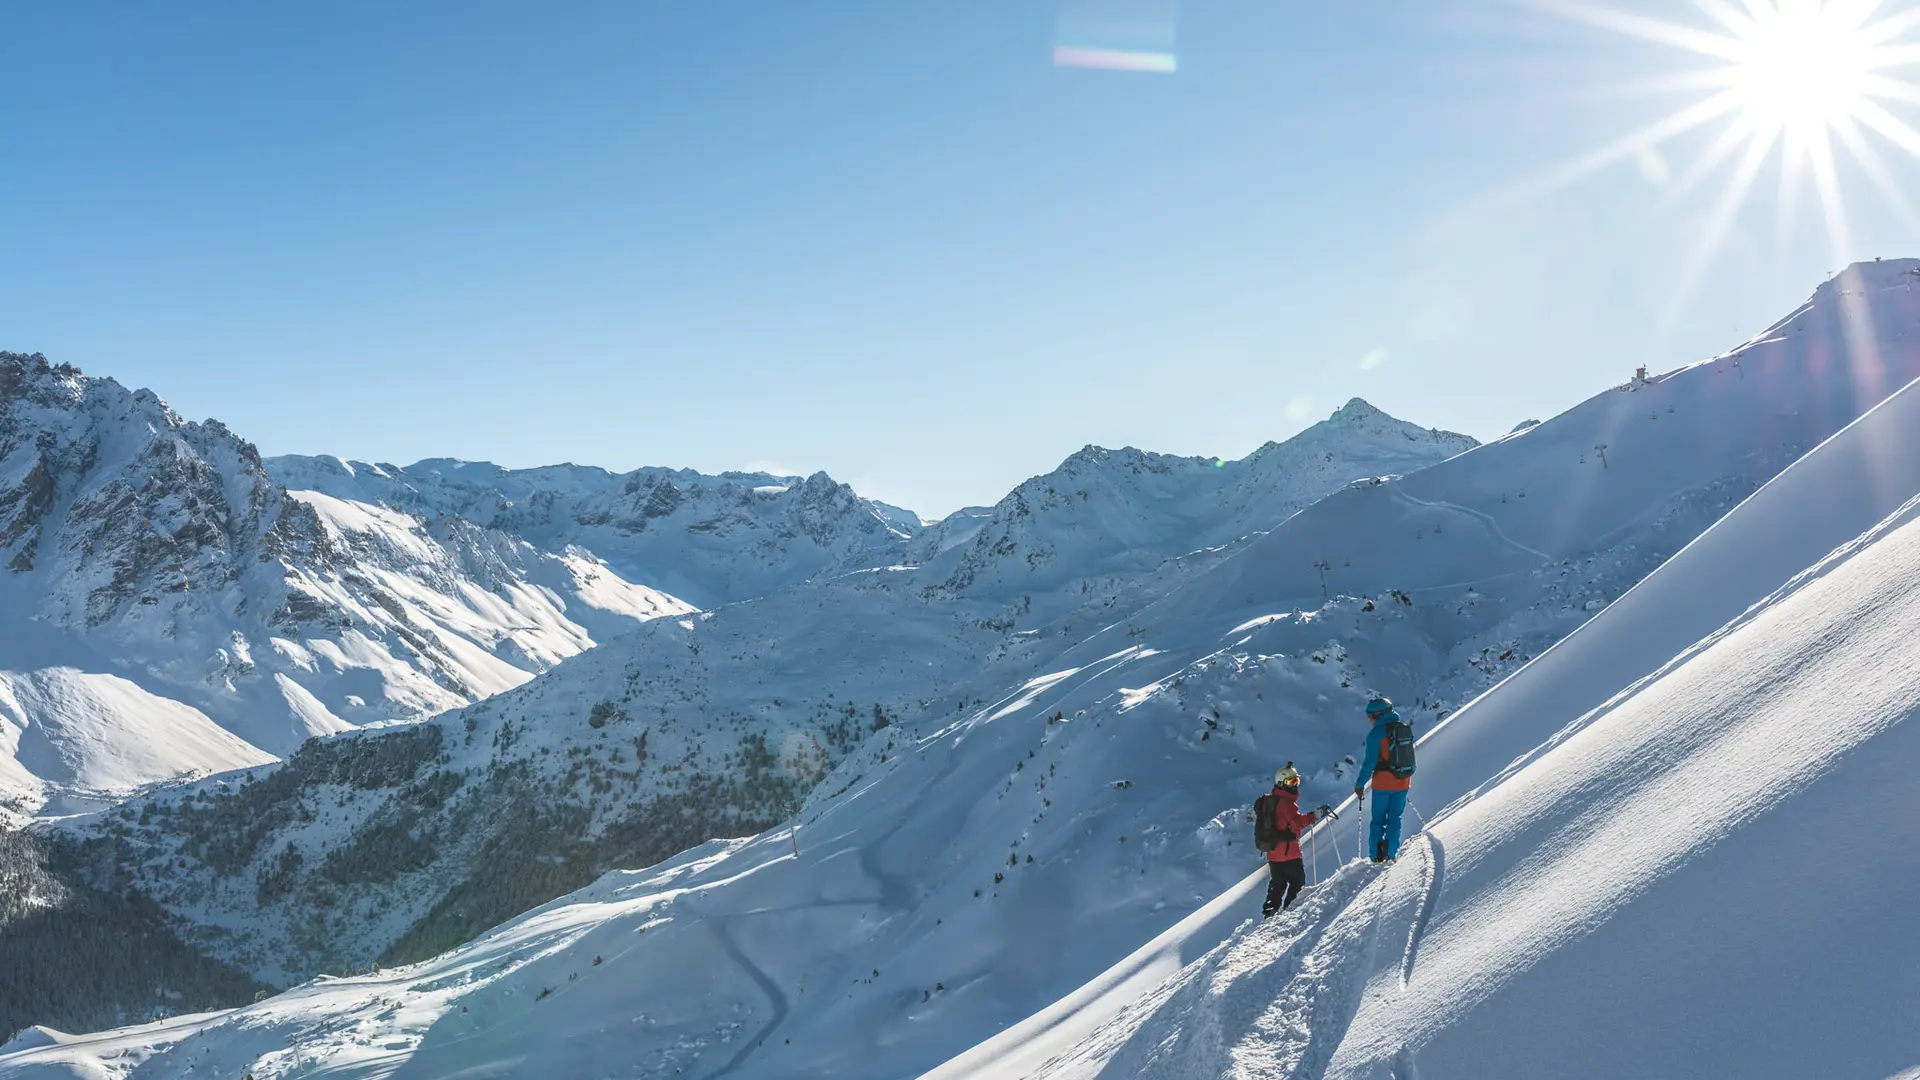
{"x":1387,"y":808}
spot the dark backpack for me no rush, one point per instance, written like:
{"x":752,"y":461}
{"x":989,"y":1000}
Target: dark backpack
{"x":1398,"y":758}
{"x":1267,"y":835}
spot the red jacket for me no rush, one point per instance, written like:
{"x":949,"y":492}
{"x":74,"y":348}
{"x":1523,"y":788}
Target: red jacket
{"x":1288,"y":818}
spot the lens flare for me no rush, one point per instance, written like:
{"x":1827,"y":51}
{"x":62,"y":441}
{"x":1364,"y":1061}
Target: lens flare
{"x":1117,"y":35}
{"x":1081,"y":56}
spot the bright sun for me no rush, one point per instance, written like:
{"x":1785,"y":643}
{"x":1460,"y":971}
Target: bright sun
{"x":1804,"y":77}
{"x":1802,"y":67}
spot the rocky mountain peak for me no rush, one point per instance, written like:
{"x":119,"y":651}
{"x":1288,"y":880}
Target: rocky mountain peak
{"x":156,"y":561}
{"x":1357,"y":410}
{"x":112,"y":493}
{"x":1107,"y":516}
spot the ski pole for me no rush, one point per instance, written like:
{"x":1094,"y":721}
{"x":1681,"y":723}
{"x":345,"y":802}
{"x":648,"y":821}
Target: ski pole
{"x":1360,"y":825}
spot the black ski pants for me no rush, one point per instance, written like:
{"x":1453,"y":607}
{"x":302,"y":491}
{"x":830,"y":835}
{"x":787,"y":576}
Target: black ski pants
{"x":1287,"y":879}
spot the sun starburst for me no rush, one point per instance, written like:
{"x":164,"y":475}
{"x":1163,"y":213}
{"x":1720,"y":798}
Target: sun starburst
{"x":1804,"y":78}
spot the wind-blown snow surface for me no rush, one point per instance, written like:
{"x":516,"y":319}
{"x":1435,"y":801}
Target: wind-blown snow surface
{"x":165,"y":608}
{"x":955,"y":877}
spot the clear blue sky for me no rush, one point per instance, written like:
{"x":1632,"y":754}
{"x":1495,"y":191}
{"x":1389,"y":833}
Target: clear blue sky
{"x":890,"y":240}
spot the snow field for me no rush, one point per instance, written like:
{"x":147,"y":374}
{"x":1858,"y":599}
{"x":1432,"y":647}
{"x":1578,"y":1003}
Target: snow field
{"x":1705,"y":879}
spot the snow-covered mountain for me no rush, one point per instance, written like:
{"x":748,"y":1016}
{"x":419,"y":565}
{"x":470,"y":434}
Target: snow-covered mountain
{"x":592,"y":758}
{"x":709,"y":539}
{"x":166,"y":608}
{"x":1599,"y":891}
{"x":1106,"y":516}
{"x":1068,"y":811}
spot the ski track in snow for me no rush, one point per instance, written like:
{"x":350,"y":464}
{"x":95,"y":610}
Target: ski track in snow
{"x":1295,"y":953}
{"x":1484,"y":518}
{"x":721,"y":927}
{"x":896,"y":896}
{"x":1435,"y":869}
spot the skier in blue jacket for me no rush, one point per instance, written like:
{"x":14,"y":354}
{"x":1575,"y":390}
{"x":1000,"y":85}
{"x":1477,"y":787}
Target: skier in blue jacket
{"x":1389,"y":791}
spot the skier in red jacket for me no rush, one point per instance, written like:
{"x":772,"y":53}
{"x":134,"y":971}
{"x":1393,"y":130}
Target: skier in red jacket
{"x":1289,"y":874}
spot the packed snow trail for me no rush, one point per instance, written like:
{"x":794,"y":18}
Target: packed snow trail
{"x":1492,"y":523}
{"x":1292,"y":973}
{"x":776,"y":997}
{"x":1435,"y":856}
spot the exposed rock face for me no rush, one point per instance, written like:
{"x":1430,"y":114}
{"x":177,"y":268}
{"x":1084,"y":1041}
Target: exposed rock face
{"x":114,"y":498}
{"x":156,"y":563}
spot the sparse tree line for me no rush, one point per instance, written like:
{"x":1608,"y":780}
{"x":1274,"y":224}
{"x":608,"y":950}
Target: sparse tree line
{"x":457,"y":851}
{"x":80,"y":959}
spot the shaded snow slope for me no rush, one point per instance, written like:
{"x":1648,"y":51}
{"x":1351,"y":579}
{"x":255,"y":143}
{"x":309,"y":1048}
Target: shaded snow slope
{"x":1702,"y":877}
{"x":158,"y":588}
{"x":708,"y":539}
{"x":1026,"y":825}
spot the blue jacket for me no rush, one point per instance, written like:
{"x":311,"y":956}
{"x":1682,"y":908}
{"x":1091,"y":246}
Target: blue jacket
{"x":1369,"y":758}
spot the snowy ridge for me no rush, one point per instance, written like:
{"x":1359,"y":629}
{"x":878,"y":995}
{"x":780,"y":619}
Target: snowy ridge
{"x":1536,"y":907}
{"x":1027,"y":821}
{"x":166,"y":608}
{"x":1108,"y":515}
{"x":708,"y":539}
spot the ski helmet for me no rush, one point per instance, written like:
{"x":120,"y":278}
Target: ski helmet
{"x":1379,"y":705}
{"x":1287,"y":777}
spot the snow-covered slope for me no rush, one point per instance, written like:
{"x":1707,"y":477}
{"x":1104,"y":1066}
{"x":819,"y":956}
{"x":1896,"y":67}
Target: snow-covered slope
{"x":166,"y":608}
{"x":797,"y":675}
{"x":94,"y":731}
{"x":1034,"y":823}
{"x":394,"y":845}
{"x":1705,"y":875}
{"x":708,"y":539}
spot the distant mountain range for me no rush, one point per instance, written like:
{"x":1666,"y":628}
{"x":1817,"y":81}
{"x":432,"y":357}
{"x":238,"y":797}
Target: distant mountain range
{"x":709,"y":540}
{"x":178,"y":605}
